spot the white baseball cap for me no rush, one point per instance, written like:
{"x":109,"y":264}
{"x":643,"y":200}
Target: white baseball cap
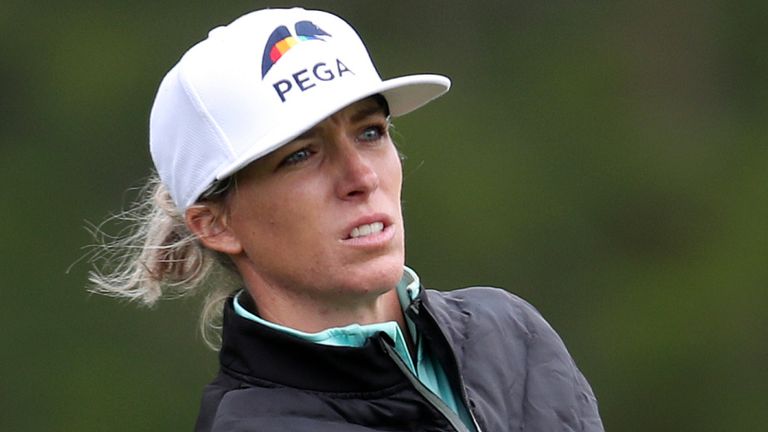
{"x":256,"y":84}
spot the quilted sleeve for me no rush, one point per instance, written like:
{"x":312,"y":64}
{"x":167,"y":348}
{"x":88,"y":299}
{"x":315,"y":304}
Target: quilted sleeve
{"x":557,"y":396}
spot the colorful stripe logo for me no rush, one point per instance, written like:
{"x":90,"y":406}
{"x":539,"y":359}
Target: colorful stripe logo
{"x":281,"y":41}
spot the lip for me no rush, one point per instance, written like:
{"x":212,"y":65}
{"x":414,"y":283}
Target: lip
{"x":379,"y":238}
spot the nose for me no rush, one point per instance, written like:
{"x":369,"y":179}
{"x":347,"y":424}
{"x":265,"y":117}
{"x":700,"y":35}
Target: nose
{"x":357,"y":176}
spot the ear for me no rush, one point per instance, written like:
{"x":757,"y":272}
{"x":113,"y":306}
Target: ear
{"x":208,"y":222}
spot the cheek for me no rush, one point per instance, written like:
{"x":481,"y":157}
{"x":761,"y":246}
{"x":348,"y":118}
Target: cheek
{"x":273,"y":221}
{"x":393,"y":171}
{"x":396,"y":192}
{"x":253,"y":219}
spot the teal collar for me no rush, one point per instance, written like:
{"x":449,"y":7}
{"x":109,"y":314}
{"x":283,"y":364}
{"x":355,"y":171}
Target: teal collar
{"x":355,"y":335}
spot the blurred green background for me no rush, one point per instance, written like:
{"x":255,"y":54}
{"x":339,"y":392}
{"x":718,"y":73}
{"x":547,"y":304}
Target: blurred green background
{"x":607,"y":161}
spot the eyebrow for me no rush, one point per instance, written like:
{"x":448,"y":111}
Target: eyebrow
{"x":368,"y":111}
{"x":359,"y":115}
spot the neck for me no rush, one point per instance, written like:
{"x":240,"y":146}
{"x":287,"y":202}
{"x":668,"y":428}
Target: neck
{"x":314,"y":314}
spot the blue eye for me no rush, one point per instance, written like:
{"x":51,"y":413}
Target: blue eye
{"x":296,"y":157}
{"x":372,"y":133}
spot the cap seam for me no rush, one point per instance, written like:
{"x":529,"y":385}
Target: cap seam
{"x":211,"y":124}
{"x":200,"y":107}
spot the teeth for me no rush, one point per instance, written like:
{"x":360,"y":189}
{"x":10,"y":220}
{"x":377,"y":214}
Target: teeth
{"x":365,"y":230}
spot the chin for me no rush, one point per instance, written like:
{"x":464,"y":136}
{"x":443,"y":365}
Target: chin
{"x":379,"y":278}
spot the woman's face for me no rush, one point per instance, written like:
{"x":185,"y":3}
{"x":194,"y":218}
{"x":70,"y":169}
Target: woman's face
{"x":321,"y":215}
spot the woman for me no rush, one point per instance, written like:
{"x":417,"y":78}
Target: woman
{"x":279,"y":186}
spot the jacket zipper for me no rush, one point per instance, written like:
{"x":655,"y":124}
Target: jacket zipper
{"x":415,"y":309}
{"x":427,"y":394}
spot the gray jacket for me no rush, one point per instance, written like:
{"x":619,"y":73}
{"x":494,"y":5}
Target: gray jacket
{"x":513,"y":371}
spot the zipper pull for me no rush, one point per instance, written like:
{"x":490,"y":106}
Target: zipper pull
{"x":414,"y":309}
{"x":385,"y":342}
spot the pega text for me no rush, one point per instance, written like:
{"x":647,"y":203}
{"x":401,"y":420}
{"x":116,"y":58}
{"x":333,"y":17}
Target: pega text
{"x":305,"y":79}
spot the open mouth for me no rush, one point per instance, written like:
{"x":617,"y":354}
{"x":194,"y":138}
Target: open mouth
{"x":366,"y":230}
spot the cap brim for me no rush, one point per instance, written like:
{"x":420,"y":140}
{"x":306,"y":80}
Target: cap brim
{"x":403,"y":95}
{"x":408,"y":93}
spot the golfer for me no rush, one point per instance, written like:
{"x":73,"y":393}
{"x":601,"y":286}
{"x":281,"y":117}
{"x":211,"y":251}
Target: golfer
{"x":278,"y":194}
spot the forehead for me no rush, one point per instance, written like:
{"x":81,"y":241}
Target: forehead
{"x":353,"y":112}
{"x":361,"y":109}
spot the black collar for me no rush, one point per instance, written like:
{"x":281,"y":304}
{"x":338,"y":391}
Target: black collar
{"x":261,"y":355}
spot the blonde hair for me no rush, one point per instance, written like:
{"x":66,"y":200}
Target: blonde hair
{"x":156,"y":256}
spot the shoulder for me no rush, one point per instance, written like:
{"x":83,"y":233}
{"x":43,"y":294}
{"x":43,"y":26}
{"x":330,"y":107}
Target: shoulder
{"x":231,"y":405}
{"x":514,"y":363}
{"x":212,"y":397}
{"x":488,"y":306}
{"x":475,"y":315}
{"x":480,"y":296}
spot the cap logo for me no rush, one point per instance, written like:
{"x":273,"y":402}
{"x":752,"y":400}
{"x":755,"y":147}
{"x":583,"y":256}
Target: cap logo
{"x":281,"y":40}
